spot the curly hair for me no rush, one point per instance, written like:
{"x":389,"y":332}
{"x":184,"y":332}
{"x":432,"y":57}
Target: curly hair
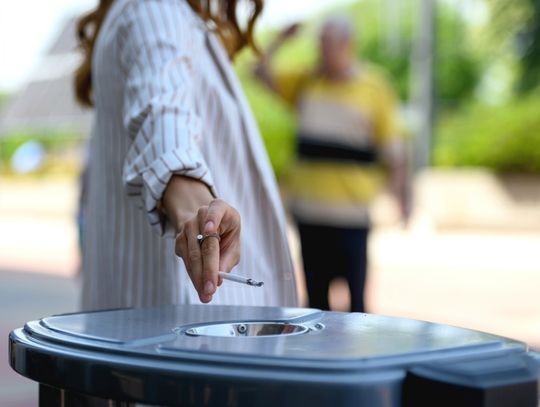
{"x":219,"y":14}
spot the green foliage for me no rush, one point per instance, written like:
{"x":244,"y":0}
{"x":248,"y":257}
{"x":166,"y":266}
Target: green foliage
{"x":385,"y":42}
{"x":506,"y":18}
{"x":530,"y":49}
{"x":514,"y":29}
{"x":275,"y":119}
{"x":503,"y":138}
{"x":457,"y":68}
{"x":276,"y":122}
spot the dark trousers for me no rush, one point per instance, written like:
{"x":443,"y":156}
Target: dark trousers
{"x":331,"y":252}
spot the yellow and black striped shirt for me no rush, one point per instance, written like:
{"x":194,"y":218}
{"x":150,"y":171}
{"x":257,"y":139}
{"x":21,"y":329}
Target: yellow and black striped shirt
{"x":343,"y":130}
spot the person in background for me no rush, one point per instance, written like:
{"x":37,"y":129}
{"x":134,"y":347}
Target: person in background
{"x":347,"y":136}
{"x":175,"y":150}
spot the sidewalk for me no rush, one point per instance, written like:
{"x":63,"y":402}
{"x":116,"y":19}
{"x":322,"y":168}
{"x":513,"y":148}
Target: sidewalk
{"x":37,"y":224}
{"x":25,"y":297}
{"x":489,"y":282}
{"x":38,"y":262}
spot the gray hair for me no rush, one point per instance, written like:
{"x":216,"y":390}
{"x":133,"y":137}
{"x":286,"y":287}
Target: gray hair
{"x":340,"y":23}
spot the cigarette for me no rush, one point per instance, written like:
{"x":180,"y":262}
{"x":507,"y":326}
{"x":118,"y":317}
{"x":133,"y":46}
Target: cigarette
{"x":241,"y":280}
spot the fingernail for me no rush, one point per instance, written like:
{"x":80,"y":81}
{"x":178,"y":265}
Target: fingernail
{"x":209,"y":226}
{"x":206,"y":299}
{"x":209,"y":288}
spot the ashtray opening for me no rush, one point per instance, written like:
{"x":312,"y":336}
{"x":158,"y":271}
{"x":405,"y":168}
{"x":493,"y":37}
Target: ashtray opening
{"x":247,"y":329}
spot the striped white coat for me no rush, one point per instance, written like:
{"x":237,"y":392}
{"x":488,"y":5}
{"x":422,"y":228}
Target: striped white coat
{"x":168,"y":102}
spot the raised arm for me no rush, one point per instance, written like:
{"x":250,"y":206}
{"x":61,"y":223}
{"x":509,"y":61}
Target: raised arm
{"x":263,"y":67}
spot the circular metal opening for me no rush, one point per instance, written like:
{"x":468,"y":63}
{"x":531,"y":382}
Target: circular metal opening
{"x":251,"y":329}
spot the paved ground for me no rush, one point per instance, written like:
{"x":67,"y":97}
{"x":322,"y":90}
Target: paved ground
{"x":486,"y":281}
{"x":25,"y":297}
{"x":489,"y":282}
{"x":37,"y":227}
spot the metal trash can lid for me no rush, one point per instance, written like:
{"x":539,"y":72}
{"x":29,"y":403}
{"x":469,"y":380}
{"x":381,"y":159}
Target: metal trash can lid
{"x":127,"y":354}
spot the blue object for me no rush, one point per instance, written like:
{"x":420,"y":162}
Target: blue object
{"x":28,"y":157}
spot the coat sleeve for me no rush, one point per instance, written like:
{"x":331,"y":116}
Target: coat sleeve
{"x":155,"y":48}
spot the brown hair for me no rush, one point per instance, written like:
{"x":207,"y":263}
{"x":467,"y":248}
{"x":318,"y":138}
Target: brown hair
{"x":221,"y":14}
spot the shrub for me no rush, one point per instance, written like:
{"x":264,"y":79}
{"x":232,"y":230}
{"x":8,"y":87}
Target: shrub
{"x":503,"y":138}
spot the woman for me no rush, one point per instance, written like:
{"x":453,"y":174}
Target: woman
{"x":175,"y":148}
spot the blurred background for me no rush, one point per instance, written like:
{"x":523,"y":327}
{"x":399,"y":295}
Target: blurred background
{"x":467,"y":73}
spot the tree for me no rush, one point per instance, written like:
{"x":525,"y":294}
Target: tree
{"x":515,"y":25}
{"x":529,"y":47}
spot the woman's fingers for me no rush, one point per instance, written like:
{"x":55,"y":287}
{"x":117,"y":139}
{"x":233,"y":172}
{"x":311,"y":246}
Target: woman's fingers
{"x":230,"y":257}
{"x":210,"y":258}
{"x":217,"y":211}
{"x":227,"y":222}
{"x":219,"y":223}
{"x":195,"y":258}
{"x":187,"y":247}
{"x":192,"y":252}
{"x":210,"y":265}
{"x":180,"y":246}
{"x":181,"y":249}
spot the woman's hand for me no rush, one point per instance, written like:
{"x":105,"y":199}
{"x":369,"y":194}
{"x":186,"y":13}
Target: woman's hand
{"x":192,"y":209}
{"x":219,"y":224}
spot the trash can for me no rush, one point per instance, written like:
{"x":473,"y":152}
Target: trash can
{"x":203,"y":355}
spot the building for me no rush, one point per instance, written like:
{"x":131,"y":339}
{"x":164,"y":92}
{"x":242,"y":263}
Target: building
{"x":47,"y":102}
